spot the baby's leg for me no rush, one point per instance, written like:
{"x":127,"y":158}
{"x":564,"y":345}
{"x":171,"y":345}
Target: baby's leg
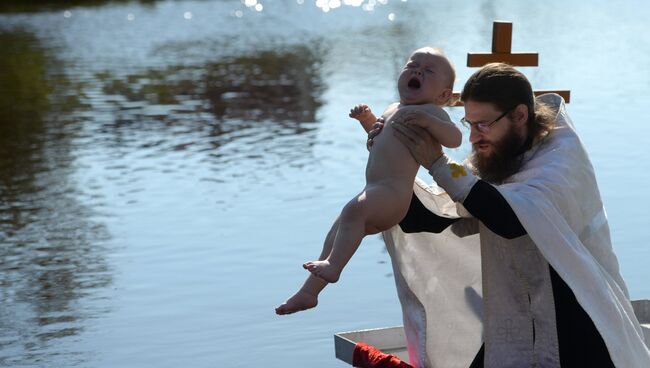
{"x":307,"y":296}
{"x":377,"y":208}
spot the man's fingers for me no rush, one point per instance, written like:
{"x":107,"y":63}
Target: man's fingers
{"x":414,"y":120}
{"x":409,"y":132}
{"x":408,"y":142}
{"x":376,"y":129}
{"x":423,"y":133}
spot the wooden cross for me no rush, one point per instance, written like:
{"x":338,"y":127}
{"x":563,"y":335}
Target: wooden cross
{"x":502,"y":52}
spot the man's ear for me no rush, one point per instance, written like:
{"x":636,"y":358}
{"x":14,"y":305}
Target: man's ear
{"x":520,"y":114}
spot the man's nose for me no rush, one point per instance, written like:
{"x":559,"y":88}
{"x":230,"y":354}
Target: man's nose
{"x":474,"y":135}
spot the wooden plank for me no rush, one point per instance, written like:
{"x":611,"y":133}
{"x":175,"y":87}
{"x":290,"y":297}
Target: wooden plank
{"x":478,"y":59}
{"x":566,"y":95}
{"x":501,"y":37}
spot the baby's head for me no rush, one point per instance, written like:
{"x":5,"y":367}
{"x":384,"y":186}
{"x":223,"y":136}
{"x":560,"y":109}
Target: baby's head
{"x":427,"y":77}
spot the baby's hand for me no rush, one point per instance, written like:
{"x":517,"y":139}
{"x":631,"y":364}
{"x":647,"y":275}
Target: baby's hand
{"x":361,"y":112}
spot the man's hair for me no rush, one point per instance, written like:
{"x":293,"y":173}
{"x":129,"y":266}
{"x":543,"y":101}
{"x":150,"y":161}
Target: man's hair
{"x":507,"y":88}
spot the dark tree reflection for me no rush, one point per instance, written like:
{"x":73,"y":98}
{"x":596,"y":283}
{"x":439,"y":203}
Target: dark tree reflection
{"x":13,"y":6}
{"x":278,"y":86}
{"x":283,"y":87}
{"x":236,"y":114}
{"x":261,"y":97}
{"x":51,"y":253}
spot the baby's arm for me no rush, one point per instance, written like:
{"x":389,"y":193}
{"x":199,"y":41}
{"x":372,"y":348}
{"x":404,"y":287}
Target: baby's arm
{"x":365,"y":116}
{"x":438,"y":124}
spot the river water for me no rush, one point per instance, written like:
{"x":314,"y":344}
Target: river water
{"x":167,"y":166}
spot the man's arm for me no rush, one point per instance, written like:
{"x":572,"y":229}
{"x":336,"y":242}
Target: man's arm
{"x":488,"y":205}
{"x":484,"y":202}
{"x":419,"y":219}
{"x":480,"y":198}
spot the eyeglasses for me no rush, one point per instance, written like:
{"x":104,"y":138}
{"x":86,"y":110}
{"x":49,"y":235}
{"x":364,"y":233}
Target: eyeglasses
{"x":482,"y":127}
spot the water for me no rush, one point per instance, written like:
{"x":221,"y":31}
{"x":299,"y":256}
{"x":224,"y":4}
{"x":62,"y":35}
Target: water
{"x":165,"y":167}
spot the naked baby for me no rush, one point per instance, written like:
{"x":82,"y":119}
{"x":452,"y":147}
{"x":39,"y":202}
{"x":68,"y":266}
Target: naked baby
{"x":424,"y":85}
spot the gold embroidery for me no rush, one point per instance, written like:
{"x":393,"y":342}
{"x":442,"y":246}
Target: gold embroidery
{"x":457,"y":170}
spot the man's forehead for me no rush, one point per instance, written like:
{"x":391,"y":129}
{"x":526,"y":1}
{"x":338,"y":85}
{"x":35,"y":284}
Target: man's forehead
{"x":478,"y":111}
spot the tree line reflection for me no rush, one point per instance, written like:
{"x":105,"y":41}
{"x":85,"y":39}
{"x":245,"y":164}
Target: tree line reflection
{"x":52,"y":251}
{"x":278,"y":86}
{"x":268,"y":95}
{"x":15,"y":6}
{"x":51,"y":254}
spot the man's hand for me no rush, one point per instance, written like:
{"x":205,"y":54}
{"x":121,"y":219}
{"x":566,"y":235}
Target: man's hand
{"x":376,"y":129}
{"x":422,"y":145}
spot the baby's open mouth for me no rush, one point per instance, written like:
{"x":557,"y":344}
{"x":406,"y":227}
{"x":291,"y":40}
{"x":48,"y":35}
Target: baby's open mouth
{"x":414,"y":83}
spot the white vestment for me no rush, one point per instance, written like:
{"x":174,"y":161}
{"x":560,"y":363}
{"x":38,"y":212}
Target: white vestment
{"x":555,"y":197}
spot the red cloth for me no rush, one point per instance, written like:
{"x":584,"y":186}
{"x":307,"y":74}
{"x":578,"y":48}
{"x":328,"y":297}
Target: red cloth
{"x":368,"y":356}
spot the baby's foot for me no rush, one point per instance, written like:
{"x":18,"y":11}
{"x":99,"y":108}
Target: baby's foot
{"x":298,"y":302}
{"x":323,"y":270}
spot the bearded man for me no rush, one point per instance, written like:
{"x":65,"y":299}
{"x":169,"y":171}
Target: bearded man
{"x":510,"y":263}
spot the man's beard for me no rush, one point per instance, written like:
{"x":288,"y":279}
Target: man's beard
{"x":504,"y":160}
